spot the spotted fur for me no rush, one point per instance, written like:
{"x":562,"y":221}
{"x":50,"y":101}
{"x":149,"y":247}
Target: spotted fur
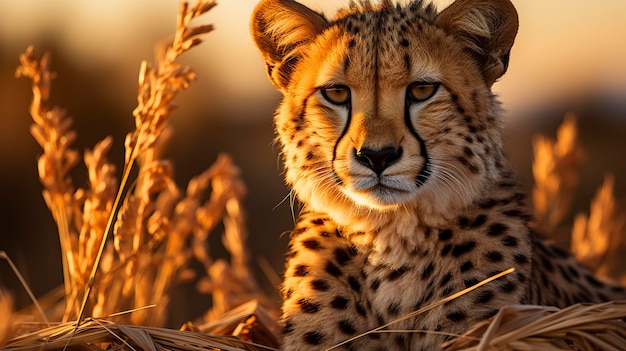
{"x":391,"y":138}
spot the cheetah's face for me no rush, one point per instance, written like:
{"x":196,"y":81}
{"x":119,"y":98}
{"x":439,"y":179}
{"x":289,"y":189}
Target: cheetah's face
{"x":386,"y":107}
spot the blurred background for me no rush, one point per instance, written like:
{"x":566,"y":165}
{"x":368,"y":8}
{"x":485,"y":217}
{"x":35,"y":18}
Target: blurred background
{"x":569,"y":56}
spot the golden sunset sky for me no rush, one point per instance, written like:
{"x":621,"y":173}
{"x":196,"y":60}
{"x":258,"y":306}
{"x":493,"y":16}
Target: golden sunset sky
{"x":565,"y":48}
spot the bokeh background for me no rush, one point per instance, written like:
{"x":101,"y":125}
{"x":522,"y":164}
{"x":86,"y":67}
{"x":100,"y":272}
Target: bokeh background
{"x":570,"y":55}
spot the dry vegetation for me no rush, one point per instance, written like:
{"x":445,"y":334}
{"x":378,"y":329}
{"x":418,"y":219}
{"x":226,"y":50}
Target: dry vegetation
{"x":127,"y":242}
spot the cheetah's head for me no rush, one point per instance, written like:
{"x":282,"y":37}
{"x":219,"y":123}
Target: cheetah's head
{"x":387,"y":107}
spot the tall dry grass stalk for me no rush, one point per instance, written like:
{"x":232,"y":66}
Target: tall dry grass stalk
{"x":124,"y":246}
{"x":599,"y":240}
{"x":52,"y":132}
{"x":555,"y":170}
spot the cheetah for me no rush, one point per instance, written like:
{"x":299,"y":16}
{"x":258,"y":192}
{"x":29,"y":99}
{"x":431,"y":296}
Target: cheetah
{"x":392,"y":140}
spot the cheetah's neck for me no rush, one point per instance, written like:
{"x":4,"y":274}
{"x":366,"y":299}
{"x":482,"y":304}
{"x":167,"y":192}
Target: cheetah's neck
{"x":395,"y":242}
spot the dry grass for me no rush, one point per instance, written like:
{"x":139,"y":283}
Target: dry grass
{"x":528,"y":327}
{"x":127,"y":242}
{"x":555,"y":172}
{"x":599,"y":240}
{"x":237,"y":334}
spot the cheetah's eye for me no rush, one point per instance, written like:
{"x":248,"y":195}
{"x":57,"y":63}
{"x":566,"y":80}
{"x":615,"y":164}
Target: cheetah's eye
{"x":421,"y":91}
{"x":336,"y":94}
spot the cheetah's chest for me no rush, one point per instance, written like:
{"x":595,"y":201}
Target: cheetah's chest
{"x":436,"y":264}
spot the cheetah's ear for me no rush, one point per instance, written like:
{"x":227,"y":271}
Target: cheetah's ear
{"x":488,"y":29}
{"x":280,"y":28}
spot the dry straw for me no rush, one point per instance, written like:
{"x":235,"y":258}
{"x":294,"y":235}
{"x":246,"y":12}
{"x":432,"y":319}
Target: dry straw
{"x":529,"y":327}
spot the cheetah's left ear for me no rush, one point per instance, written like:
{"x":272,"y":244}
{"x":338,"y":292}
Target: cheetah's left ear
{"x":280,"y":28}
{"x":488,"y":29}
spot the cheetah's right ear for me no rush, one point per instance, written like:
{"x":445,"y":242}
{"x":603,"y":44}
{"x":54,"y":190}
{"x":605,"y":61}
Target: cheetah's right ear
{"x":280,"y":28}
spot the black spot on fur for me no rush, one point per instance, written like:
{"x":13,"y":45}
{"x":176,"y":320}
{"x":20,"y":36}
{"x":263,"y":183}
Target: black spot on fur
{"x":514,"y":213}
{"x":375,"y":284}
{"x":397,"y":273}
{"x":308,"y":306}
{"x":339,"y":302}
{"x":456,"y":316}
{"x":312,"y":244}
{"x":332,"y":269}
{"x":447,"y":291}
{"x":478,"y":221}
{"x":468,"y":152}
{"x":470,"y":282}
{"x":559,"y":252}
{"x":466,"y":266}
{"x":488,"y":204}
{"x":354,"y":284}
{"x":318,"y":221}
{"x":494,"y":256}
{"x":446,"y":279}
{"x":510,"y":241}
{"x":445,"y":234}
{"x":463,"y":222}
{"x":313,"y":338}
{"x":393,"y":309}
{"x":360,"y":310}
{"x":547,"y":264}
{"x":319,"y":285}
{"x":593,"y":281}
{"x":346,"y":327}
{"x":484,"y":297}
{"x":342,"y":256}
{"x":301,"y":270}
{"x":497,"y":229}
{"x":463,"y":248}
{"x":507,"y":287}
{"x":407,"y":62}
{"x":428,"y":271}
{"x":446,"y":250}
{"x":573,"y":271}
{"x":288,"y":328}
{"x":520,"y":259}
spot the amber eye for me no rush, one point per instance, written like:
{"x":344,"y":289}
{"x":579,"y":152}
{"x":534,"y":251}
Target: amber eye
{"x":421,"y":91}
{"x":336,"y":94}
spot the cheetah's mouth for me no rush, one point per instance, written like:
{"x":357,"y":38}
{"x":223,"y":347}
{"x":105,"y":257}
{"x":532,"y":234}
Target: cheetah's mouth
{"x":381,"y":193}
{"x":385,"y":191}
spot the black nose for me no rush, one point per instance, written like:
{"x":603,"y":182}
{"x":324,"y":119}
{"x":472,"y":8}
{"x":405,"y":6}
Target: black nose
{"x":378,"y":160}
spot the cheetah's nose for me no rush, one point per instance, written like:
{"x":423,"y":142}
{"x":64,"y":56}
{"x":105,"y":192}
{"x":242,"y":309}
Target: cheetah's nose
{"x":378,"y":160}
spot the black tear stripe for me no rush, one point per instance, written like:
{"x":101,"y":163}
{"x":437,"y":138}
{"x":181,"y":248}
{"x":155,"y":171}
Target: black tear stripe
{"x":424,"y":173}
{"x":344,"y":131}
